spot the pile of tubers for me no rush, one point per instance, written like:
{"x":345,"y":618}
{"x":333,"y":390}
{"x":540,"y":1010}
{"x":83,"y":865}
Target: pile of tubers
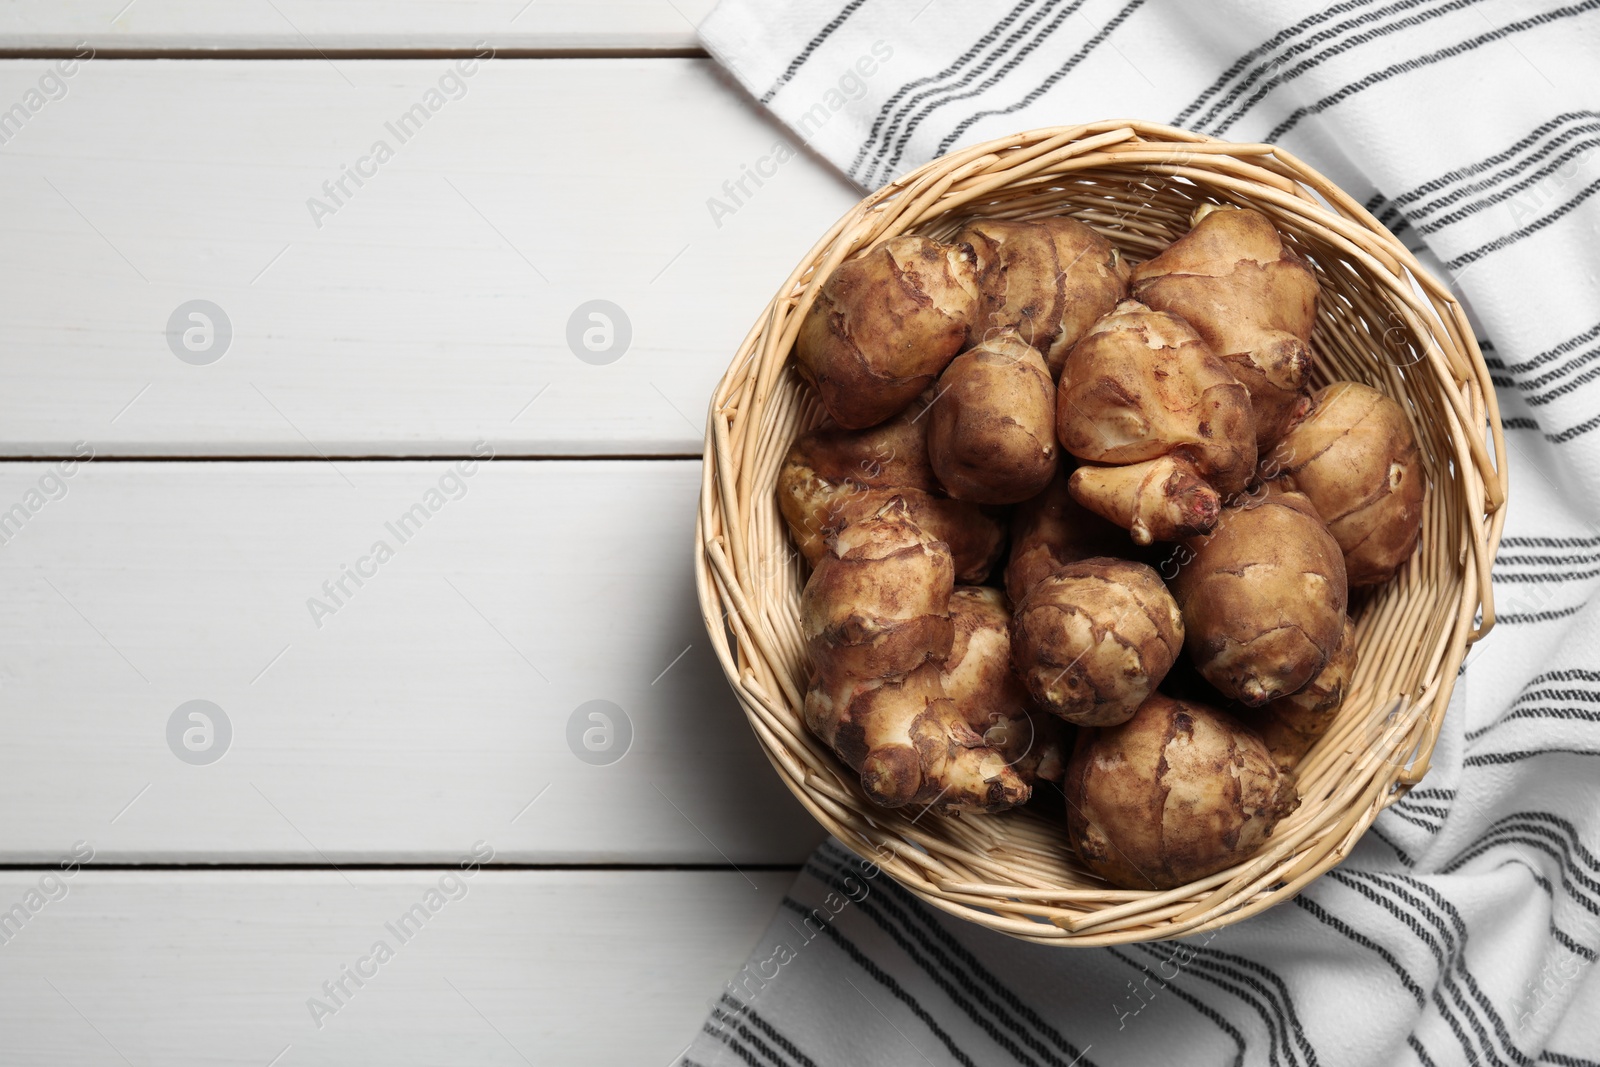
{"x":1142,"y":445}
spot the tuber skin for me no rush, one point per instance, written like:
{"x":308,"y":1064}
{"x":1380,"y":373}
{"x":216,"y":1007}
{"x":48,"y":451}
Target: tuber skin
{"x":832,"y":475}
{"x":1178,"y":792}
{"x":1252,"y":300}
{"x":1263,"y":597}
{"x":1052,"y":530}
{"x":1143,"y":392}
{"x":977,"y":676}
{"x":1291,"y":725}
{"x":884,"y":325}
{"x":1092,"y":640}
{"x":1356,"y":458}
{"x":1047,"y":278}
{"x":992,"y":438}
{"x":1162,"y":499}
{"x":876,"y":619}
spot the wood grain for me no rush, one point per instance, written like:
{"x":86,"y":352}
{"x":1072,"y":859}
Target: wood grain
{"x":511,"y":968}
{"x":428,"y":706}
{"x":427,"y":309}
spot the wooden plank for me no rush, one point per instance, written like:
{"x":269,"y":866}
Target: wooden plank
{"x":511,"y":968}
{"x":423,"y":311}
{"x":443,"y":699}
{"x":339,"y":25}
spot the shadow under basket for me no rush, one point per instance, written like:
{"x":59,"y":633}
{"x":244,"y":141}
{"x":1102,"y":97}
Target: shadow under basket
{"x":1381,"y":320}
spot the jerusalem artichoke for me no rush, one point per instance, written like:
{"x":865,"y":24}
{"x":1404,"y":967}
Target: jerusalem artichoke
{"x":1263,"y":597}
{"x":1252,"y":300}
{"x":1052,"y":530}
{"x":978,"y":678}
{"x":876,"y":618}
{"x":992,"y":438}
{"x":1094,"y":638}
{"x":1167,"y":425}
{"x":1355,"y":456}
{"x":1291,"y":725}
{"x":832,"y":476}
{"x":1178,"y":792}
{"x":1047,"y":278}
{"x":884,"y":325}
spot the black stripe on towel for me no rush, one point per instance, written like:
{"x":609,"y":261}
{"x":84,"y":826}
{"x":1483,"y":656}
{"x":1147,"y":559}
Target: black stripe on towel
{"x":1377,"y":834}
{"x":885,"y":979}
{"x":1546,"y":561}
{"x":1477,"y":994}
{"x":1027,"y":49}
{"x":1531,"y":828}
{"x":1419,"y":821}
{"x":1433,"y":185}
{"x":1197,"y":1004}
{"x":1506,"y":832}
{"x":1327,"y":918}
{"x":1553,"y":542}
{"x":811,"y":46}
{"x":1537,"y":713}
{"x":1522,"y":618}
{"x":1544,"y":577}
{"x":891,"y":114}
{"x":1043,"y":87}
{"x":1527,"y":231}
{"x":942,"y":957}
{"x":1573,"y":431}
{"x":721,"y":1034}
{"x":771,"y":1031}
{"x":1501,"y":759}
{"x":1394,"y":70}
{"x":1549,"y":834}
{"x":1376,"y":32}
{"x":1565,"y":1061}
{"x":1526,"y":182}
{"x":1422,"y":1053}
{"x":1385,"y":212}
{"x":1576,"y":362}
{"x":1448,"y":948}
{"x":1518,"y":155}
{"x":726,"y":1019}
{"x":1257,"y":52}
{"x":1555,"y":352}
{"x":1283,"y":1026}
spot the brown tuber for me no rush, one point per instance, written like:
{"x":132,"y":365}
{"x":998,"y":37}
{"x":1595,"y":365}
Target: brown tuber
{"x":1047,"y":278}
{"x":1092,"y":640}
{"x":992,"y":438}
{"x":832,"y":476}
{"x":977,"y":676}
{"x":1178,"y":792}
{"x":1166,"y":424}
{"x":1052,"y":530}
{"x":1355,"y":456}
{"x":1291,"y":725}
{"x":1263,"y":597}
{"x":884,"y":325}
{"x":1252,"y":300}
{"x":1162,"y":499}
{"x":876,"y":619}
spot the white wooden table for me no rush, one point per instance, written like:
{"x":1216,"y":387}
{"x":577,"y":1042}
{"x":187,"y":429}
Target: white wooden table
{"x":231,"y":372}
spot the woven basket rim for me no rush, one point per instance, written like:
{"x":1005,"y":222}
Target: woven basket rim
{"x":1368,"y":761}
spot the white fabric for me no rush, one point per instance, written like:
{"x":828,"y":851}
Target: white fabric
{"x":1463,"y":927}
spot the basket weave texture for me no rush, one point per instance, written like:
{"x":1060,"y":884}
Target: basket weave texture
{"x":1381,"y":320}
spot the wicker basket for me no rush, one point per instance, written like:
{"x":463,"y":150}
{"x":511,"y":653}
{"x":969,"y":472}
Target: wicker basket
{"x":1382,"y":320}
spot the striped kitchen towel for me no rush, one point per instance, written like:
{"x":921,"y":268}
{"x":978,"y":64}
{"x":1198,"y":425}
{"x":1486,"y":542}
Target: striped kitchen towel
{"x":1463,"y":928}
